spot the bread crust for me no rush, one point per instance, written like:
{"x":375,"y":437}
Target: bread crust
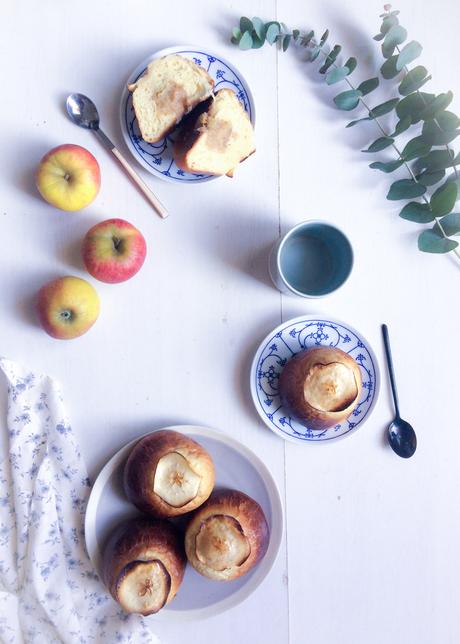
{"x":139,"y":472}
{"x":291,"y":386}
{"x":250,"y":516}
{"x":144,"y":539}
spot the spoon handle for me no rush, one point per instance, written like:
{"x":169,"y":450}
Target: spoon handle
{"x":151,"y":198}
{"x":386,"y":344}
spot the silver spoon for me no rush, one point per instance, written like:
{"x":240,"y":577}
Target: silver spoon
{"x":83,"y":112}
{"x":401,"y":434}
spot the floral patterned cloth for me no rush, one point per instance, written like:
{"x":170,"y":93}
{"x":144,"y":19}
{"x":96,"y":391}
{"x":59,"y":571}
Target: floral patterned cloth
{"x":49,"y":591}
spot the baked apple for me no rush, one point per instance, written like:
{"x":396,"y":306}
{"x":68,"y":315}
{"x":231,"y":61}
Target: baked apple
{"x":227,"y":536}
{"x":168,"y":474}
{"x":320,"y":386}
{"x":143,"y":564}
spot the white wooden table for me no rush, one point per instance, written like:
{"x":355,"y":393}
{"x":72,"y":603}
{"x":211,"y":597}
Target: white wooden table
{"x":371,"y":551}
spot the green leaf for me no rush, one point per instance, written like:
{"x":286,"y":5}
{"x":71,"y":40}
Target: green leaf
{"x":379,"y":37}
{"x":314,"y":53}
{"x":413,"y":80}
{"x":324,"y":37}
{"x":430,"y":178}
{"x":330,"y":59}
{"x":351,"y":64}
{"x":273,"y":31}
{"x":413,"y":105}
{"x":336,"y":75}
{"x":295,"y":34}
{"x":384,"y":108}
{"x":236,"y":33}
{"x":438,"y":160}
{"x":246,"y":25}
{"x":395,"y":36}
{"x":402,"y":125}
{"x":434,"y":135}
{"x":437,"y":105}
{"x":306,"y":39}
{"x":405,"y":189}
{"x":246,"y":41}
{"x":259,"y":28}
{"x":389,"y":166}
{"x":418,"y":212}
{"x":431,"y":241}
{"x":408,"y":53}
{"x":451,"y":223}
{"x":443,"y":200}
{"x":368,"y":86}
{"x":379,"y":144}
{"x":387,"y":23}
{"x":447,"y":121}
{"x":347,"y":100}
{"x":365,"y":118}
{"x":388,"y":69}
{"x":257,"y":43}
{"x":286,"y":41}
{"x":415,"y":148}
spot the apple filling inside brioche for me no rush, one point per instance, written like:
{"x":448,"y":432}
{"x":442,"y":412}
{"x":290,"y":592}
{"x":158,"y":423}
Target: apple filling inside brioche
{"x":330,"y":387}
{"x":175,"y":481}
{"x":143,"y":587}
{"x":221,"y":544}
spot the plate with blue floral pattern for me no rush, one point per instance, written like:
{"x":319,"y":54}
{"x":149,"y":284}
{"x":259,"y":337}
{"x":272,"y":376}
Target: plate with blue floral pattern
{"x":286,"y":341}
{"x":157,"y":157}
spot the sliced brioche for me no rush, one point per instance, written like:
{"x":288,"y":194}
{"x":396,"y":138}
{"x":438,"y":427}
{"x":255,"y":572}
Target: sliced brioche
{"x":170,"y":88}
{"x":218,"y":140}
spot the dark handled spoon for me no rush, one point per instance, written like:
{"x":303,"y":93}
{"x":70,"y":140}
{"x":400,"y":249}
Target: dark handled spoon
{"x":83,"y":112}
{"x":401,"y":434}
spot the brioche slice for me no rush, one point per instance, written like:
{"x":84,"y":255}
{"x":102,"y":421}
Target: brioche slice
{"x":218,"y":140}
{"x":169,"y":89}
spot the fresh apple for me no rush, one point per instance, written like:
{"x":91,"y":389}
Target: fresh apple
{"x":67,"y":307}
{"x":68,"y":177}
{"x":113,"y":251}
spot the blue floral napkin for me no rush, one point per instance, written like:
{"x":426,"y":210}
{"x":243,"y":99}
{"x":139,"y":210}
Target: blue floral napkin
{"x":49,"y":591}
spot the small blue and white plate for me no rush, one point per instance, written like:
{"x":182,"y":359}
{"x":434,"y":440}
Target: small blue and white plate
{"x":281,"y":345}
{"x":157,"y":157}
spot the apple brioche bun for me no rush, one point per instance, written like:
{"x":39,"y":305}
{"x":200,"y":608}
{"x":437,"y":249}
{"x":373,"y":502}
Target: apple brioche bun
{"x":321,"y":386}
{"x":143,"y":564}
{"x":168,"y":474}
{"x":227,"y":536}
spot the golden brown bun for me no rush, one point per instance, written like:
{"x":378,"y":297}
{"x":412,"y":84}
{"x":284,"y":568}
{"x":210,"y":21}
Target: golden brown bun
{"x":321,"y":386}
{"x":138,"y":551}
{"x":218,"y":139}
{"x":169,"y":463}
{"x":227,"y":536}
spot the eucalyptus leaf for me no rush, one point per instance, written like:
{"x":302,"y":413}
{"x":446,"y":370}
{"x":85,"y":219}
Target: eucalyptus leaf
{"x":387,"y":23}
{"x":387,"y":166}
{"x":447,"y":121}
{"x":384,"y":108}
{"x":379,"y":37}
{"x":347,"y":100}
{"x":413,"y":105}
{"x":380,"y":144}
{"x":431,"y":241}
{"x":324,"y":37}
{"x":368,"y":86}
{"x":365,"y":118}
{"x":273,"y":31}
{"x":388,"y":69}
{"x":314,"y":53}
{"x":439,"y":104}
{"x":259,"y":28}
{"x":307,"y":38}
{"x":433,"y":134}
{"x":408,"y":53}
{"x":286,"y":41}
{"x":418,"y":212}
{"x":296,"y":34}
{"x":336,"y":75}
{"x":246,"y":25}
{"x":330,"y":59}
{"x":395,"y":36}
{"x":415,"y":148}
{"x":246,"y":41}
{"x":438,"y":160}
{"x":257,"y":43}
{"x":405,"y":189}
{"x":236,"y":33}
{"x":451,"y":223}
{"x":443,"y":200}
{"x":402,"y":126}
{"x":413,"y":80}
{"x":430,"y":178}
{"x":351,"y":63}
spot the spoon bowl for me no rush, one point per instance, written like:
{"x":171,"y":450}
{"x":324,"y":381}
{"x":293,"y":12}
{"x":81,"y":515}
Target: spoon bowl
{"x":82,"y":111}
{"x":402,"y":438}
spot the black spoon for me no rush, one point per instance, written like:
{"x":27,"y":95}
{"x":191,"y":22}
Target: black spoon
{"x":401,"y":434}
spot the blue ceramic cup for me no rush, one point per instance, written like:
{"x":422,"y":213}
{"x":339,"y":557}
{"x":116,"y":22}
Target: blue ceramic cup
{"x":313,"y":259}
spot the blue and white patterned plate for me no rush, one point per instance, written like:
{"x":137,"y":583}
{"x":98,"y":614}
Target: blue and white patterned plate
{"x":157,"y":157}
{"x":283,"y":343}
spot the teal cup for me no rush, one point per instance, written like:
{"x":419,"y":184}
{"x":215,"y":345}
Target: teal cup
{"x":313,"y":259}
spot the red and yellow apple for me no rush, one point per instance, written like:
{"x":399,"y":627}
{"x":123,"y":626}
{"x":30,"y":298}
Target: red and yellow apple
{"x":68,"y":177}
{"x":67,"y":307}
{"x":113,"y":251}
